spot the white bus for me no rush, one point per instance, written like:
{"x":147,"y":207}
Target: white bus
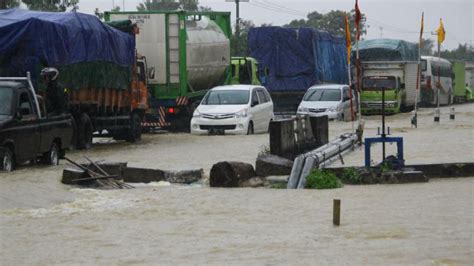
{"x":436,"y":73}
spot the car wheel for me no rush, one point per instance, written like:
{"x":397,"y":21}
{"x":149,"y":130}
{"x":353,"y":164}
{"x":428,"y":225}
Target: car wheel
{"x":7,"y":161}
{"x":250,"y":130}
{"x":52,"y":156}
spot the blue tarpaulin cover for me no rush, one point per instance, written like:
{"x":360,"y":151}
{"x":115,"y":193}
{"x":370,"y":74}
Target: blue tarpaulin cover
{"x":30,"y":39}
{"x":296,"y":59}
{"x":386,"y":50}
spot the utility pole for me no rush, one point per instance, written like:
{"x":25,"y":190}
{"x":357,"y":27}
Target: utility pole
{"x":237,"y":15}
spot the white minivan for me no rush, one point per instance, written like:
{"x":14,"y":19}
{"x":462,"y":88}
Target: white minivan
{"x":331,"y":100}
{"x":233,"y":109}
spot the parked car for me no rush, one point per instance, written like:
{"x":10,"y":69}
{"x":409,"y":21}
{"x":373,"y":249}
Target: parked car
{"x":233,"y":109}
{"x":26,"y":132}
{"x":330,"y":100}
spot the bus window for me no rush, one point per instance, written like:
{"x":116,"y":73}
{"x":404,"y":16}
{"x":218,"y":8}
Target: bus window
{"x":423,"y":65}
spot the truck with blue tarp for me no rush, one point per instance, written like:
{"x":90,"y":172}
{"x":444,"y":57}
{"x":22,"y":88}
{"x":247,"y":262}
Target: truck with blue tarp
{"x":100,"y":75}
{"x":390,"y":65}
{"x":290,"y":60}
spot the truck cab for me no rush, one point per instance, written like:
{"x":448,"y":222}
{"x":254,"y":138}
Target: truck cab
{"x":371,"y":94}
{"x":244,"y":71}
{"x":26,"y":132}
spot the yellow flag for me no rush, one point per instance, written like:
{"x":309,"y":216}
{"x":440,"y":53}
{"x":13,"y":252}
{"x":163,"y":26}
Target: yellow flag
{"x":348,"y":41}
{"x":441,"y":32}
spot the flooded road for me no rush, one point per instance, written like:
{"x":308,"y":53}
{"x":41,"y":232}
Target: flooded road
{"x":45,"y":222}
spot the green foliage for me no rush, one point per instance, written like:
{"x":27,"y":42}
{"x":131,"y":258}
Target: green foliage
{"x":51,"y":5}
{"x":333,"y":22}
{"x":239,"y":43}
{"x":100,"y":15}
{"x":351,"y":175}
{"x":190,"y":5}
{"x":278,"y":186}
{"x":322,"y":179}
{"x":4,"y":4}
{"x":464,"y":52}
{"x":385,"y":167}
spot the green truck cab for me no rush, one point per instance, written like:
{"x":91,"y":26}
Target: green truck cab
{"x":244,"y":71}
{"x":398,"y":79}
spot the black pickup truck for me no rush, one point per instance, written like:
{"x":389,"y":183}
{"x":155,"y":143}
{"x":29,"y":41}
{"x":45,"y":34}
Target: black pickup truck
{"x":26,"y":132}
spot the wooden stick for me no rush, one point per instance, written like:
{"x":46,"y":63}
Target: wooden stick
{"x":93,"y":178}
{"x":336,"y":214}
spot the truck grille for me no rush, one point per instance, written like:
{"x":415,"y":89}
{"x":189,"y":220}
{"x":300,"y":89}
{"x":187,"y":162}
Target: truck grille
{"x":217,"y":116}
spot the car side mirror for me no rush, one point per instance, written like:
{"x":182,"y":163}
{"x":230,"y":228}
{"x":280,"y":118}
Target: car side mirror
{"x":254,"y":103}
{"x":18,"y":115}
{"x":347,"y":99}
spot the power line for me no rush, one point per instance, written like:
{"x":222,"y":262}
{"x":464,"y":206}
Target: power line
{"x":275,"y":9}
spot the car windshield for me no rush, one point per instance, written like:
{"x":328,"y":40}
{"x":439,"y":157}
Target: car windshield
{"x":372,"y":83}
{"x":227,"y":97}
{"x":323,"y":95}
{"x":6,"y":95}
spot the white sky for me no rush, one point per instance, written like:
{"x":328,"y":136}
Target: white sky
{"x":399,"y":19}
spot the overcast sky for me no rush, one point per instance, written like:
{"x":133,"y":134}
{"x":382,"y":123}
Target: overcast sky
{"x":399,"y":19}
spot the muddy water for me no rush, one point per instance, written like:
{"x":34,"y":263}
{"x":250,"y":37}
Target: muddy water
{"x":429,"y":223}
{"x":45,"y":222}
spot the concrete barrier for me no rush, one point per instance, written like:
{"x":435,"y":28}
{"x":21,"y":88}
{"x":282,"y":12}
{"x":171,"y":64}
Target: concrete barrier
{"x":291,"y":137}
{"x":269,"y":164}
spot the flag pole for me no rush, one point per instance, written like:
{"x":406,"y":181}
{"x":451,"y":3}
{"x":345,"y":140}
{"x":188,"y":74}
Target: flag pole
{"x":348,"y":48}
{"x":358,"y":18}
{"x":414,"y":120}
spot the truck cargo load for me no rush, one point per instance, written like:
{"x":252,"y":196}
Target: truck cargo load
{"x":292,"y":60}
{"x":385,"y":50}
{"x":87,"y":52}
{"x":101,"y":82}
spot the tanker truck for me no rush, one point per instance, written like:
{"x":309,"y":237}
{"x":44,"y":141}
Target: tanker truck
{"x":101,"y":80}
{"x":187,"y":54}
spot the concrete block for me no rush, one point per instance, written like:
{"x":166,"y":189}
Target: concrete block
{"x":142,"y":175}
{"x":269,"y":164}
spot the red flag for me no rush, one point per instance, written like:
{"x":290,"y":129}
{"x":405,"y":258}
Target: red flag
{"x":358,"y":17}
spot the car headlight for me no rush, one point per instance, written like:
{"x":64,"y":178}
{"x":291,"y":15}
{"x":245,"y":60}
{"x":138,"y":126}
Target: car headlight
{"x":196,"y":114}
{"x":302,"y":110}
{"x":241,"y":113}
{"x":332,"y":109}
{"x":339,"y":108}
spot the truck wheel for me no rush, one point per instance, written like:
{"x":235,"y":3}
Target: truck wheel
{"x":52,"y":156}
{"x":135,"y":133}
{"x":7,"y":161}
{"x":84,"y":140}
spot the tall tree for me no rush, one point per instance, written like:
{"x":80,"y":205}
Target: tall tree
{"x":464,"y":52}
{"x":427,"y":47}
{"x":51,"y":5}
{"x":191,"y":5}
{"x":239,"y":43}
{"x":4,"y":4}
{"x":100,"y":15}
{"x":333,"y":22}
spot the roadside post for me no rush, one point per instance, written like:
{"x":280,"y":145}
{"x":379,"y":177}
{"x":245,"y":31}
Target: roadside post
{"x":336,"y":212}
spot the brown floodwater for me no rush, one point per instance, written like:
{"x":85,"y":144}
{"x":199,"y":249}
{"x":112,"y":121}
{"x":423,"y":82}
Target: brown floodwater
{"x":45,"y":222}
